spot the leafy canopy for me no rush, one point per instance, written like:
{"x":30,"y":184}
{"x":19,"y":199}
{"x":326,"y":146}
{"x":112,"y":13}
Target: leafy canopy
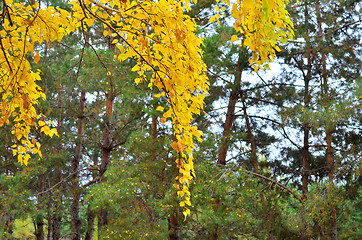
{"x":157,"y":34}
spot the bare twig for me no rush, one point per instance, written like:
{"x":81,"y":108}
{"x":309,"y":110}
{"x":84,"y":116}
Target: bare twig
{"x":275,"y":182}
{"x":57,"y":184}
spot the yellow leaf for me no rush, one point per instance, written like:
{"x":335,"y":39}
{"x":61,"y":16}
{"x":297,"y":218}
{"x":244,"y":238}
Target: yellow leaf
{"x":186,"y":212}
{"x":163,"y":120}
{"x":89,"y":21}
{"x":36,"y":57}
{"x":106,"y":33}
{"x":234,"y":38}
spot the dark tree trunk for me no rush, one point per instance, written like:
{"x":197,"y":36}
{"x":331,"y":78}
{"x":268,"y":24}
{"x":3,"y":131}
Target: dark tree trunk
{"x":9,"y":223}
{"x":256,"y":170}
{"x":39,"y":220}
{"x":306,"y":126}
{"x":230,"y":115}
{"x":214,"y":234}
{"x":251,"y":139}
{"x":229,"y":121}
{"x":91,"y":215}
{"x":305,"y":161}
{"x":173,"y":227}
{"x":107,"y":133}
{"x":90,"y":225}
{"x":39,"y":228}
{"x":154,"y":138}
{"x":330,"y":166}
{"x":50,"y":220}
{"x":106,"y":151}
{"x":306,"y":129}
{"x":154,"y":127}
{"x":56,"y":224}
{"x":56,"y":220}
{"x":75,"y":221}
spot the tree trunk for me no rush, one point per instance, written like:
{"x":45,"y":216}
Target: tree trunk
{"x":75,"y":221}
{"x":39,"y":227}
{"x":90,"y":225}
{"x":173,"y":227}
{"x":9,"y":223}
{"x":230,"y":115}
{"x":305,"y":125}
{"x":229,"y":121}
{"x":305,"y":161}
{"x":107,"y":133}
{"x":329,"y":157}
{"x":333,"y":227}
{"x":50,"y":220}
{"x":39,"y":221}
{"x":56,"y":219}
{"x":154,"y":138}
{"x":154,"y":127}
{"x":256,"y":170}
{"x":106,"y":150}
{"x":56,"y":224}
{"x":91,"y":214}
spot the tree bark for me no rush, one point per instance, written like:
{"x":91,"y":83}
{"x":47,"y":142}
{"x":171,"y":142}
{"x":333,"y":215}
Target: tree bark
{"x":39,"y":228}
{"x":107,"y":133}
{"x":154,"y":138}
{"x":56,"y":218}
{"x":330,"y":166}
{"x":39,"y":220}
{"x":91,"y":213}
{"x":75,"y":221}
{"x":154,"y":127}
{"x":230,"y":115}
{"x":90,"y":225}
{"x":56,"y":224}
{"x":173,"y":227}
{"x":106,"y":150}
{"x":9,"y":223}
{"x":305,"y":125}
{"x":305,"y":161}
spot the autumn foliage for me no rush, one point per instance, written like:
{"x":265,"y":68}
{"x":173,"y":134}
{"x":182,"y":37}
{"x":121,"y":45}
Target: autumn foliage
{"x":158,"y":35}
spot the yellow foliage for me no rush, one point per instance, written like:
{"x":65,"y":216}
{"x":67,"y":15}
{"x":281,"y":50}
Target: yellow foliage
{"x":263,"y":23}
{"x":157,"y":34}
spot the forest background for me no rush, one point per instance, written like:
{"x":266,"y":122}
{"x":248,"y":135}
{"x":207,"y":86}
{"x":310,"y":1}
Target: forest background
{"x":280,"y":157}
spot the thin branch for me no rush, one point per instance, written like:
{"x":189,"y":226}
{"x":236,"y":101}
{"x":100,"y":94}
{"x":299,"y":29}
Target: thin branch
{"x":60,"y":182}
{"x":275,"y":182}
